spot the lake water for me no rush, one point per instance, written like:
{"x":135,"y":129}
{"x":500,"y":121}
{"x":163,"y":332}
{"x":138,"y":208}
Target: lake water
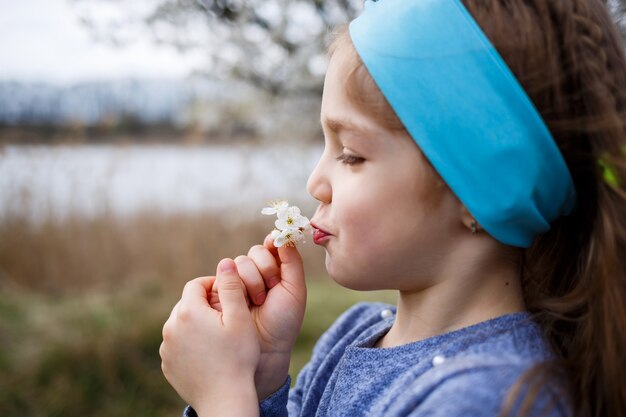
{"x":60,"y":181}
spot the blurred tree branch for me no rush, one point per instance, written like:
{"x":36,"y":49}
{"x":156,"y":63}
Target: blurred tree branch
{"x":276,"y":45}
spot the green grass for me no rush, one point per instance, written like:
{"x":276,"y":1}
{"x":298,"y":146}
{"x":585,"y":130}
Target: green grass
{"x":93,"y":355}
{"x":96,"y":353}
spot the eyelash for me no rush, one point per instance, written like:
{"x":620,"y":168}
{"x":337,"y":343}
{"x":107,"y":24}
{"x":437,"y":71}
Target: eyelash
{"x":349,"y":159}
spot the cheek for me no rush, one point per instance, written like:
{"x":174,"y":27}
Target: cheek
{"x":372,"y":227}
{"x":386,"y":225}
{"x":355,"y":217}
{"x":357,"y":213}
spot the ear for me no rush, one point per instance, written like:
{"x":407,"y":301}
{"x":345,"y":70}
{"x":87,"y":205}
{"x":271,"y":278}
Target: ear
{"x":468,"y":219}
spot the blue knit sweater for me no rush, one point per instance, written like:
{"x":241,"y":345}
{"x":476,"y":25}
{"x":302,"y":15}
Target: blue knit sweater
{"x":466,"y":372}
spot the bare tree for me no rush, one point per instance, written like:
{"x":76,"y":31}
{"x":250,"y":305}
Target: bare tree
{"x":276,"y":45}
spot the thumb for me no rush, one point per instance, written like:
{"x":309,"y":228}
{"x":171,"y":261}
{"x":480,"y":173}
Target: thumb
{"x":292,"y":270}
{"x":229,"y":287}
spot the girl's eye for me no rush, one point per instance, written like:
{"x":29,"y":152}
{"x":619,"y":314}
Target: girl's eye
{"x":350,"y":159}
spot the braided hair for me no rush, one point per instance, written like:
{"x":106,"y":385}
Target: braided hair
{"x":568,"y":55}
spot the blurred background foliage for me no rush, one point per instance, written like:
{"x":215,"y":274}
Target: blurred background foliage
{"x":277,"y":45}
{"x":116,"y":191}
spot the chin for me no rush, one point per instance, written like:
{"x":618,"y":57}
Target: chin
{"x":346,"y":283}
{"x":358,"y":279}
{"x":352,"y":281}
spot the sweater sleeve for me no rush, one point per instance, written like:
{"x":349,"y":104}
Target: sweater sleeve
{"x":276,"y":405}
{"x":286,"y":402}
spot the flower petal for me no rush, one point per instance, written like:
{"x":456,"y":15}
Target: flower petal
{"x":279,"y":241}
{"x":293,"y":211}
{"x":268,"y":211}
{"x":299,"y":221}
{"x":281,"y":224}
{"x":293,"y":235}
{"x":278,"y":204}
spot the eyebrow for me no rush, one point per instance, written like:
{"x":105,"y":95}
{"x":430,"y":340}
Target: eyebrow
{"x":336,"y":125}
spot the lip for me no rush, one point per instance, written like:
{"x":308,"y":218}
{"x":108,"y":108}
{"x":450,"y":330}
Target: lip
{"x":320,"y":235}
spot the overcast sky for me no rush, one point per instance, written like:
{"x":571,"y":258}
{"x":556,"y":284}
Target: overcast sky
{"x":43,"y":40}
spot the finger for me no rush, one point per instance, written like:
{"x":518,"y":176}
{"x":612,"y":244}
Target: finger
{"x":197,"y":290}
{"x":232,"y":298}
{"x":214,"y":298}
{"x":251,"y":278}
{"x":269,"y":244}
{"x":292,"y":271}
{"x":266,"y":264}
{"x":195,"y":298}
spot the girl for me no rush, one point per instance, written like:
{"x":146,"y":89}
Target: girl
{"x":474,"y":163}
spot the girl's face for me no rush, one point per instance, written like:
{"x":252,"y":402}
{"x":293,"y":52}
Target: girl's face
{"x":390,"y":218}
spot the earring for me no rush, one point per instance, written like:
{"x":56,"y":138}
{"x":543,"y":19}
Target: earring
{"x":474,"y":224}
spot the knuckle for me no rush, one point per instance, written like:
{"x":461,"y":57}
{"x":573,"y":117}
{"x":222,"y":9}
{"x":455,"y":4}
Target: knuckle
{"x":241,"y":258}
{"x":185,"y":313}
{"x":231,"y":285}
{"x":189,"y":284}
{"x":269,"y":270}
{"x":256,"y":249}
{"x":196,"y":281}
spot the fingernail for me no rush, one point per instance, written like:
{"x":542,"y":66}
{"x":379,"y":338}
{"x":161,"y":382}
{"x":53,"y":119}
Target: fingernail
{"x":260,"y":297}
{"x":227,"y":265}
{"x":273,"y":281}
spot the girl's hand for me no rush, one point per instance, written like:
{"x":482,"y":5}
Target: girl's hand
{"x":210,"y":356}
{"x":274,"y":281}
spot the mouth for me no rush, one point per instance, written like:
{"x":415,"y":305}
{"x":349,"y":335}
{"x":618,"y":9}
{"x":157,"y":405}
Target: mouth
{"x":320,"y":235}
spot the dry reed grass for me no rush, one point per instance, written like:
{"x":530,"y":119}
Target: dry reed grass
{"x":82,"y":303}
{"x":107,"y":252}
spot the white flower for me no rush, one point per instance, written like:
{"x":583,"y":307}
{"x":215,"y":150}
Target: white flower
{"x":288,"y":237}
{"x":290,"y":218}
{"x":291,"y":225}
{"x":275,"y":207}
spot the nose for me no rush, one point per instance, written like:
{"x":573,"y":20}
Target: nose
{"x":318,"y":184}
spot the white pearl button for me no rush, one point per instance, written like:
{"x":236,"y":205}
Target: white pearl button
{"x":438,"y":360}
{"x":386,"y":313}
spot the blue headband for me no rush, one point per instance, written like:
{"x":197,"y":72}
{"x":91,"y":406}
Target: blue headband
{"x":468,"y":114}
